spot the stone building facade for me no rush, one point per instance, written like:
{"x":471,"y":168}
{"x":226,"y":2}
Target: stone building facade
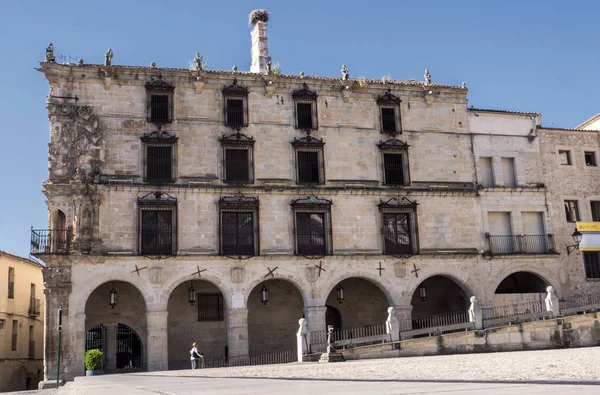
{"x":222,"y":206}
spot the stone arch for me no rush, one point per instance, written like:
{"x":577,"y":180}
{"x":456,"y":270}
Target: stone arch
{"x":458,"y":276}
{"x":544,"y":275}
{"x":91,"y":283}
{"x":443,"y":294}
{"x":290,"y":279}
{"x":334,"y":281}
{"x":92,"y":322}
{"x":169,"y":286}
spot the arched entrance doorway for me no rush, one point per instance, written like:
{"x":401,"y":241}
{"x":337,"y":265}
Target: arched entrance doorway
{"x":272,"y":324}
{"x":199,"y":318}
{"x":115,"y":315}
{"x":356,"y":303}
{"x":438,"y":295}
{"x":520,"y":287}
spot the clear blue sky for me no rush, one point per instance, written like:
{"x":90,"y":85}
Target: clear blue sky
{"x":537,"y":56}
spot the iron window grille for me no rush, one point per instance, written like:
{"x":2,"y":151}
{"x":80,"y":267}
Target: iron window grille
{"x":159,"y":100}
{"x":310,"y":166}
{"x":394,"y":162}
{"x":399,"y":227}
{"x":305,"y":109}
{"x":238,"y":158}
{"x":389,"y":113}
{"x":595,"y":210}
{"x":238,"y":226}
{"x":157,"y":226}
{"x":312,"y":226}
{"x":210,"y":307}
{"x":94,"y":338}
{"x":159,"y":153}
{"x":11,"y":282}
{"x":571,"y":210}
{"x":235,"y":98}
{"x":592,"y":264}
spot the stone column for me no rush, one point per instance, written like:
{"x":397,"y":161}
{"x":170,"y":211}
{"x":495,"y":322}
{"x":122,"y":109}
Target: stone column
{"x":237,"y":332}
{"x":315,"y":315}
{"x":260,"y":50}
{"x":157,"y":354}
{"x":110,"y":346}
{"x":79,"y":348}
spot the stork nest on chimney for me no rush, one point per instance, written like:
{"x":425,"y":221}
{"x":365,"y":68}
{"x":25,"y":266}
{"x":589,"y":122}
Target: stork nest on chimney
{"x":258,"y":16}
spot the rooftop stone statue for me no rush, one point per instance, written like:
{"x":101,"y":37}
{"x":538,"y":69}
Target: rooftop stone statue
{"x":198,"y":62}
{"x":427,"y":77}
{"x":50,"y":53}
{"x":345,"y":74}
{"x":108,"y":57}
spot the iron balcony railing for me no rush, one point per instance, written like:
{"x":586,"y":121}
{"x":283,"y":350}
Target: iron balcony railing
{"x":521,"y":244}
{"x":51,"y":241}
{"x":34,"y":307}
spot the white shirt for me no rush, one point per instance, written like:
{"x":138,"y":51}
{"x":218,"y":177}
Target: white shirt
{"x":192,"y":353}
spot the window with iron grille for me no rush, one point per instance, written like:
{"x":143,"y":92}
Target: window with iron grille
{"x":238,"y":159}
{"x":13,"y":339}
{"x":210,"y":307}
{"x":394,"y":162}
{"x":235,"y":98}
{"x":571,"y":210}
{"x":159,"y":97}
{"x":157,"y":224}
{"x":389,"y":111}
{"x":595,"y":210}
{"x":159,"y":157}
{"x":399,"y":226}
{"x":592,"y":264}
{"x":238,"y":226}
{"x":305,"y":108}
{"x":312,"y":226}
{"x":11,"y":282}
{"x":310,"y":168}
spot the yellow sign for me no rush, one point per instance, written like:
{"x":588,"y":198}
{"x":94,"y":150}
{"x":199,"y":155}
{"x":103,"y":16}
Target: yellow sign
{"x":588,"y":226}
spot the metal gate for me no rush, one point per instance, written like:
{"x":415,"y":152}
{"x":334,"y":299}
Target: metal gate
{"x":129,"y":349}
{"x":94,"y":338}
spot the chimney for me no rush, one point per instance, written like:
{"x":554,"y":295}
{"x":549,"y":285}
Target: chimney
{"x":260,"y":50}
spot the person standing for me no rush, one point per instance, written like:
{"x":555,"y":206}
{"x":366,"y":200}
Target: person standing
{"x":195,"y":356}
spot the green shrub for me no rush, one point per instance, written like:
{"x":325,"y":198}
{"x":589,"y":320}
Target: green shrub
{"x":93,"y":359}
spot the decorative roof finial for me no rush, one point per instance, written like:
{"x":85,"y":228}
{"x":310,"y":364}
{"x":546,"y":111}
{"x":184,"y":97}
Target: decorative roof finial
{"x":345,"y":74}
{"x":258,"y":16}
{"x":50,"y":53}
{"x":198,"y":62}
{"x":427,"y":77}
{"x":108,"y":57}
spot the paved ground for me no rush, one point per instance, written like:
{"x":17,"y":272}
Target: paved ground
{"x":527,"y":372}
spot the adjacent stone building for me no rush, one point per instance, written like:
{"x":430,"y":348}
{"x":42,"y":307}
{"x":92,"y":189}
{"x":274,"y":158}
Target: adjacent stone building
{"x":222,"y":206}
{"x":21,"y":323}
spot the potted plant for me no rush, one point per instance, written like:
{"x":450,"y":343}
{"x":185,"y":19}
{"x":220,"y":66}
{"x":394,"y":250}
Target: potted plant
{"x":93,"y":362}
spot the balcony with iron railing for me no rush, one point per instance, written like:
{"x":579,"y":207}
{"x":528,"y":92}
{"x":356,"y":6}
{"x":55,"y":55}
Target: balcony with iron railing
{"x":34,"y":307}
{"x":51,"y":241}
{"x":520,"y":244}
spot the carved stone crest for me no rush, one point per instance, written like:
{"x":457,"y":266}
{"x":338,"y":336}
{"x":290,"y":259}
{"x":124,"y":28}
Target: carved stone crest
{"x":77,"y":141}
{"x":312,"y":274}
{"x":400,"y":269}
{"x":237,"y":275}
{"x":56,"y":276}
{"x":156,"y":275}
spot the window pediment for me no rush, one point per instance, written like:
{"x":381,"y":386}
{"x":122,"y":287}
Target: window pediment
{"x":311,"y":201}
{"x":235,"y":89}
{"x":157,"y":197}
{"x":305,"y":93}
{"x":388,"y":99}
{"x":159,"y":136}
{"x":239,"y":201}
{"x":159,"y":84}
{"x":308,"y":141}
{"x":237,"y":139}
{"x":397,"y":203}
{"x":393,"y":144}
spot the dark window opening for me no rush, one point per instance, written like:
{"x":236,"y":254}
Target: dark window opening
{"x":237,"y":233}
{"x":397,"y":234}
{"x":157,"y":232}
{"x":235,"y":112}
{"x":210,"y":307}
{"x":13,"y":339}
{"x":592,"y":264}
{"x":304,"y":115}
{"x":159,"y":163}
{"x":393,"y":169}
{"x":388,"y":120}
{"x":308,"y":167}
{"x":11,"y":282}
{"x":590,"y":158}
{"x":159,"y":108}
{"x":310,"y":233}
{"x":571,"y":210}
{"x":237,"y":165}
{"x":595,"y":211}
{"x":565,"y":157}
